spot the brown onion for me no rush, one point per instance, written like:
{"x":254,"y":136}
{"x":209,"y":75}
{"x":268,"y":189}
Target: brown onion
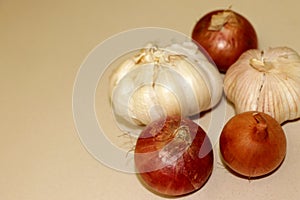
{"x":173,"y":156}
{"x":253,"y":144}
{"x":225,"y":35}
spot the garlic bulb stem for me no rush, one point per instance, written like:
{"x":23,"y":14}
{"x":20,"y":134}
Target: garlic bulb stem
{"x":260,"y":65}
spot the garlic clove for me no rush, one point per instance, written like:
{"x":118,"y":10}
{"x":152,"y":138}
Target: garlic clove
{"x":126,"y":66}
{"x":151,"y":103}
{"x":266,"y":81}
{"x":205,"y":70}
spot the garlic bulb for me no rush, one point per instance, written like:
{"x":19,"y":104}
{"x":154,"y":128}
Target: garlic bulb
{"x":266,"y":81}
{"x":156,"y":82}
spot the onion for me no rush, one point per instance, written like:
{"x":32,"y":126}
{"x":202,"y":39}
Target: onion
{"x":225,"y":35}
{"x":173,"y":156}
{"x":253,"y":144}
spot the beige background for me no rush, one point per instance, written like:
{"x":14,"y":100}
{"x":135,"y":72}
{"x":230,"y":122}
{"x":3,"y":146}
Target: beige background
{"x":42,"y":45}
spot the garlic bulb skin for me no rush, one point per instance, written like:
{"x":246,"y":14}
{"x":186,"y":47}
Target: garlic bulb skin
{"x":156,"y":82}
{"x":266,"y":81}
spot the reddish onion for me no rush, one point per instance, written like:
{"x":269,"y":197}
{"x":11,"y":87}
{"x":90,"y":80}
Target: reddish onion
{"x":225,"y":35}
{"x":173,"y":156}
{"x":253,"y":144}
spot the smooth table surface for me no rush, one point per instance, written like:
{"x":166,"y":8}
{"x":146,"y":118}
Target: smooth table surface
{"x":42,"y":46}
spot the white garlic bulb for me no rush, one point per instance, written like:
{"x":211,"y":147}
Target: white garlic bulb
{"x":266,"y":81}
{"x":156,"y":82}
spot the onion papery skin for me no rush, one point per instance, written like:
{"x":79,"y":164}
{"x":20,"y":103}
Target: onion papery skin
{"x":225,"y":45}
{"x":252,"y":144}
{"x":170,"y":162}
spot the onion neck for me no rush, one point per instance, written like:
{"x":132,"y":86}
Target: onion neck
{"x":220,"y":19}
{"x":260,"y":132}
{"x":183,"y":133}
{"x":170,"y":153}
